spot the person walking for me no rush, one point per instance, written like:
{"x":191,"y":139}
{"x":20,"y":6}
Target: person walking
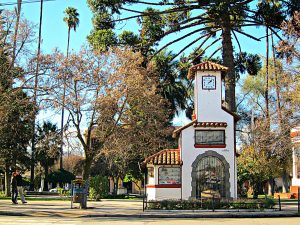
{"x":14,"y":190}
{"x":20,"y":186}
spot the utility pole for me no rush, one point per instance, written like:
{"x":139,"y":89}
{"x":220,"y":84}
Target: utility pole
{"x":35,"y":101}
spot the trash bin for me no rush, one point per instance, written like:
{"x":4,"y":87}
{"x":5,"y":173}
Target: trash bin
{"x":79,"y":192}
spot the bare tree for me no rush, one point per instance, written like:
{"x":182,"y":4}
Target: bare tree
{"x":104,"y":92}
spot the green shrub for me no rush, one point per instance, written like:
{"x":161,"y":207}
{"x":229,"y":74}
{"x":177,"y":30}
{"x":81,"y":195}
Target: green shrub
{"x":61,"y":176}
{"x":210,"y":204}
{"x":111,"y":196}
{"x":93,"y":194}
{"x":63,"y":193}
{"x":2,"y":194}
{"x":269,"y":203}
{"x":99,"y":187}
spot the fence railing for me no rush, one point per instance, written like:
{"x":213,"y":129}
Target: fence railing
{"x":220,"y":203}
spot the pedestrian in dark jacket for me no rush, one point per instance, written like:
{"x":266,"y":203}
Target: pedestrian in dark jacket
{"x":14,"y":189}
{"x":20,"y":186}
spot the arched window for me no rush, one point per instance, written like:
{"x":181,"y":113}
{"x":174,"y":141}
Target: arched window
{"x":210,"y":177}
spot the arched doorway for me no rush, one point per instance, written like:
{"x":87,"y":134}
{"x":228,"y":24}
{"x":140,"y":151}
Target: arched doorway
{"x":210,"y":176}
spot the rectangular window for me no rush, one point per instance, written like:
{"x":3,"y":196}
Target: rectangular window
{"x":209,"y":137}
{"x":169,"y":175}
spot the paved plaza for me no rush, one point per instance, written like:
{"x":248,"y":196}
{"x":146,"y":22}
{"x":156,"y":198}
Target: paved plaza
{"x":129,"y":209}
{"x":11,"y":220}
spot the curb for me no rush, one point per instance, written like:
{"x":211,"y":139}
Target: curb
{"x":3,"y":213}
{"x":195,"y":215}
{"x":182,"y":215}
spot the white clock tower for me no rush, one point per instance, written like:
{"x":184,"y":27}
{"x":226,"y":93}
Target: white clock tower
{"x":204,"y":165}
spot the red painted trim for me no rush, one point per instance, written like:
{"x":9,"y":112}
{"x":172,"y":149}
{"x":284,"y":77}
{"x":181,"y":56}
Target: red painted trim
{"x":210,"y":124}
{"x":176,"y":166}
{"x":200,"y":145}
{"x":163,"y":186}
{"x":209,"y":146}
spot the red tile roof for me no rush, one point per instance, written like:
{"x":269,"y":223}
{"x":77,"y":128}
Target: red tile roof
{"x":177,"y":131}
{"x":205,"y":66}
{"x":165,"y":157}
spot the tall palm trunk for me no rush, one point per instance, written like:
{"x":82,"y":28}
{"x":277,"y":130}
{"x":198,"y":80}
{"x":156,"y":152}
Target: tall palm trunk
{"x":68,"y":45}
{"x":35,"y":100}
{"x":62,"y":125}
{"x":229,"y":62}
{"x":63,"y":109}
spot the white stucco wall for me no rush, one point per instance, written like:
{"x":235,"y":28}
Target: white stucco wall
{"x":154,"y":192}
{"x":163,"y":193}
{"x":208,"y":102}
{"x":295,"y":179}
{"x":208,"y":109}
{"x":296,"y":148}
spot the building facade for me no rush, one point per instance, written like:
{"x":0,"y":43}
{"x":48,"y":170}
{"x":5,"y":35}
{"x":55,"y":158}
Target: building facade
{"x":204,"y":165}
{"x":295,"y":135}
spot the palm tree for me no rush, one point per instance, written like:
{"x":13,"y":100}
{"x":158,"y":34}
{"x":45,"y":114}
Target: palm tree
{"x":72,"y":21}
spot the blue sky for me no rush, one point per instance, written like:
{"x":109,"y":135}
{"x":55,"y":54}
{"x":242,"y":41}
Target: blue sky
{"x":54,"y":32}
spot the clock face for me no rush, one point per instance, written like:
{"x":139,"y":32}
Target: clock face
{"x":209,"y":82}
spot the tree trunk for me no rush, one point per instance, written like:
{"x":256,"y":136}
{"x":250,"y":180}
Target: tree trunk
{"x":228,"y":61}
{"x":63,"y":110}
{"x":46,"y":178}
{"x":271,"y":186}
{"x":277,"y":87}
{"x":62,"y":124}
{"x":7,"y":181}
{"x":285,"y":181}
{"x":68,"y":45}
{"x":87,"y":167}
{"x":116,"y":184}
{"x":255,"y":190}
{"x":267,"y":81}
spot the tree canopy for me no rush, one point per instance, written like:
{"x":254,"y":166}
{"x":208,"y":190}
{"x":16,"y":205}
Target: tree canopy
{"x":199,"y":24}
{"x":107,"y":93}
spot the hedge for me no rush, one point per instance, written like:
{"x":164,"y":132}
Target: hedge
{"x":211,"y":204}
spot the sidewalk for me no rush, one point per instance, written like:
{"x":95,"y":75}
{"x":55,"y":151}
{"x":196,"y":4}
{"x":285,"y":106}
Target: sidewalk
{"x":124,"y":208}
